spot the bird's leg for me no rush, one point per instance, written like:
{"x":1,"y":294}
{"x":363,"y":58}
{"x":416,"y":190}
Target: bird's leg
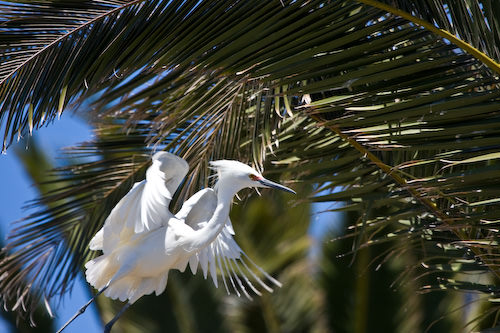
{"x":82,"y":309}
{"x":108,"y":326}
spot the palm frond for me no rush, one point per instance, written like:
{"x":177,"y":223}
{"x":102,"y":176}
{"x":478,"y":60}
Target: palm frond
{"x":53,"y":52}
{"x":426,"y":151}
{"x":476,"y":22}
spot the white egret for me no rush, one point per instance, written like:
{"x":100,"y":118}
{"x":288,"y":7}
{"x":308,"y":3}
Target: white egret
{"x":141,"y":240}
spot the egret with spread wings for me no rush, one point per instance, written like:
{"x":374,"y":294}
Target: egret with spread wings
{"x":141,"y":240}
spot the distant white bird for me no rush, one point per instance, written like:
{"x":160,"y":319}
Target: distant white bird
{"x":142,"y":240}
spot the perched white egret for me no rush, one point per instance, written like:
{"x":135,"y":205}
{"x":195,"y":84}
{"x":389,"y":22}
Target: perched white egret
{"x":141,"y":240}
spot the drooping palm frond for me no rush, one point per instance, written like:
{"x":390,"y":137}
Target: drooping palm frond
{"x":50,"y":53}
{"x":426,"y":152}
{"x":395,"y":114}
{"x":476,"y":22}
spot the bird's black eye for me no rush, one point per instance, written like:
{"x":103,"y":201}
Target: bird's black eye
{"x":254,"y":177}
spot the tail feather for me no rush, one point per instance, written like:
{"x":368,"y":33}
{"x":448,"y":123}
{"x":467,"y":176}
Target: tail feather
{"x":143,"y":287}
{"x":161,"y":284}
{"x":100,"y":271}
{"x":103,"y":271}
{"x":133,"y":288}
{"x":119,"y":289}
{"x":96,"y":243}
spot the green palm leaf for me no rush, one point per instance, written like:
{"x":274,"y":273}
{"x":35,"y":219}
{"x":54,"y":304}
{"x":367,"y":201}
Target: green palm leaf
{"x":476,"y":22}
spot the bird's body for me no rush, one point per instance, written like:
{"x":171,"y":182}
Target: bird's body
{"x":142,"y":240}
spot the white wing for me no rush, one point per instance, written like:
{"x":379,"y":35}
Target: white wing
{"x":223,"y":253}
{"x":145,"y":206}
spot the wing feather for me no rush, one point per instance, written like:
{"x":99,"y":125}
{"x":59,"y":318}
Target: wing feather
{"x":193,"y":263}
{"x":162,"y":179}
{"x":145,"y":206}
{"x":203,"y":262}
{"x":218,"y":258}
{"x":223,"y":256}
{"x":211,"y":261}
{"x":198,"y":209}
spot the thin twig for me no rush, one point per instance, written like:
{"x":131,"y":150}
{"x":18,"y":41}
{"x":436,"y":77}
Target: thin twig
{"x":81,"y":310}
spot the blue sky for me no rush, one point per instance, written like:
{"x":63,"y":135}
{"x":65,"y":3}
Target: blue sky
{"x":16,"y":190}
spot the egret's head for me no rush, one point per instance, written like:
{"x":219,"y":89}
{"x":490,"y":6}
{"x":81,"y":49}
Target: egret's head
{"x":241,"y":175}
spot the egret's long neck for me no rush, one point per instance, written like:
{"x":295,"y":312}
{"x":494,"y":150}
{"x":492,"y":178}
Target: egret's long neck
{"x":226,"y":190}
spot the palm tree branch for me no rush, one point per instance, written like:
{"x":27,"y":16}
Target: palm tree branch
{"x":426,"y":202}
{"x":475,"y":21}
{"x":485,"y":59}
{"x":59,"y":39}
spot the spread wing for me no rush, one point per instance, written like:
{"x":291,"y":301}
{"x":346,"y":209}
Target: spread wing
{"x":223,"y":253}
{"x":145,"y":206}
